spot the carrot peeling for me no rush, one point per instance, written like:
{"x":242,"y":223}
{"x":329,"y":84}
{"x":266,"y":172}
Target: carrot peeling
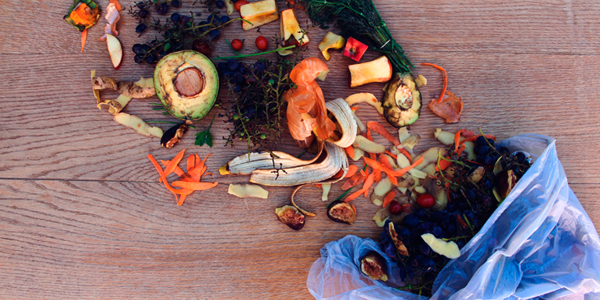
{"x":403,"y":171}
{"x":365,"y":189}
{"x":174,"y":162}
{"x":377,"y":166}
{"x":457,"y":139}
{"x":392,"y":154}
{"x":191,"y":162}
{"x":83,"y":38}
{"x":350,"y":151}
{"x":445,"y":79}
{"x":388,"y":198}
{"x":351,"y":171}
{"x":444,"y":164}
{"x":354,"y":108}
{"x":355,"y":180}
{"x":403,"y":151}
{"x":385,"y":162}
{"x":377,"y":127}
{"x":196,"y":186}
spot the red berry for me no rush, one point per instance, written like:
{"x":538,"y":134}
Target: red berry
{"x":237,"y":44}
{"x":425,"y":200}
{"x":238,"y":4}
{"x":201,"y":46}
{"x":396,"y":208}
{"x":261,"y":43}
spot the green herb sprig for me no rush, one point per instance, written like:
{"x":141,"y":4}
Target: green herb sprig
{"x":205,"y":137}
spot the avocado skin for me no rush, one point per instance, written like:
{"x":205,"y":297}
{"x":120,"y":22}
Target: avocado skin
{"x":397,"y":116}
{"x":181,"y":107}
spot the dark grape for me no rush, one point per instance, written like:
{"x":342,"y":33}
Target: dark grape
{"x":142,"y":13}
{"x":489,"y":160}
{"x":471,"y":194}
{"x":427,"y":265}
{"x":220,"y":4}
{"x":481,"y":150}
{"x":138,"y":58}
{"x":215,"y":34}
{"x":503,"y":150}
{"x":480,"y":141}
{"x":233,"y":64}
{"x":138,"y":49}
{"x":411,"y":221}
{"x":487,"y":183}
{"x":224,"y":19}
{"x":404,"y":233}
{"x":211,"y":19}
{"x":437,"y":231}
{"x":162,"y":8}
{"x":450,"y":228}
{"x":460,"y":243}
{"x":259,"y":66}
{"x":222,"y":66}
{"x":424,"y":249}
{"x":520,"y":156}
{"x":175,"y":17}
{"x":141,"y":28}
{"x":150,"y":60}
{"x":175,"y":3}
{"x":185,"y":20}
{"x":237,"y":77}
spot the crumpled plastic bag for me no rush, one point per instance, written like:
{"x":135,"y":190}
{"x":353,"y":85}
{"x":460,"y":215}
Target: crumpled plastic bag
{"x":539,"y":244}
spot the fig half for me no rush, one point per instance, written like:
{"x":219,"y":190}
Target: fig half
{"x":342,"y":212}
{"x":290,"y":216}
{"x":374,"y":266}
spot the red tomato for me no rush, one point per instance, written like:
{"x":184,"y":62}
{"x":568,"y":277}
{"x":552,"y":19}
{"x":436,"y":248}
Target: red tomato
{"x":262,"y":43}
{"x":236,"y":44}
{"x":396,"y":208}
{"x":425,"y":200}
{"x":238,"y":4}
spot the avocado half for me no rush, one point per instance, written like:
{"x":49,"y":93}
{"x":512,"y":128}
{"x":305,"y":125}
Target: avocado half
{"x":187,"y":84}
{"x":402,"y":101}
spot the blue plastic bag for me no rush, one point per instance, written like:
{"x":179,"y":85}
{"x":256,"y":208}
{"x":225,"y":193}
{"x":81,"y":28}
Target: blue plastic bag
{"x":539,"y":244}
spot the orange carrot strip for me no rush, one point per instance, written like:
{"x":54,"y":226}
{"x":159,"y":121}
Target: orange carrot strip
{"x":377,"y":166}
{"x":474,"y":138}
{"x":388,"y":198}
{"x":351,"y":171}
{"x":377,"y":127}
{"x":191,"y":162}
{"x":196,"y":174}
{"x":174,"y":162}
{"x":163,"y":178}
{"x":177,"y":169}
{"x":444,"y":164}
{"x":319,"y":185}
{"x":355,"y":195}
{"x":385,"y":162}
{"x":392,"y":154}
{"x":117,"y":4}
{"x":355,"y":108}
{"x":196,"y":186}
{"x":403,"y":151}
{"x":198,"y":160}
{"x":356,"y":179}
{"x":377,"y":175}
{"x":369,"y":136}
{"x":403,"y":171}
{"x":350,"y":151}
{"x":83,"y":39}
{"x":457,"y":139}
{"x":461,"y":149}
{"x":353,"y":208}
{"x":445,"y":79}
{"x":368,"y":183}
{"x":339,"y":174}
{"x":209,"y":174}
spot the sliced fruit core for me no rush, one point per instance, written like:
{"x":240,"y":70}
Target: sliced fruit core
{"x":189,"y":82}
{"x":403,"y":96}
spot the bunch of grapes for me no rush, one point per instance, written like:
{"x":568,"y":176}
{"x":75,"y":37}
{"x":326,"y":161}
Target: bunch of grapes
{"x":178,"y":32}
{"x":469,"y":206}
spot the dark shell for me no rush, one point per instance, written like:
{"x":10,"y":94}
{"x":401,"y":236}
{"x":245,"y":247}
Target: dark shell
{"x":173,"y":135}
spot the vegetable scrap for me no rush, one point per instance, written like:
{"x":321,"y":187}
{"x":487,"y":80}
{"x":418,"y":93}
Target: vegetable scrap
{"x":449,"y":108}
{"x":83,"y":14}
{"x":189,"y":181}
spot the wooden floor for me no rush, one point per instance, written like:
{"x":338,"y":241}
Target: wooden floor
{"x":83,"y":215}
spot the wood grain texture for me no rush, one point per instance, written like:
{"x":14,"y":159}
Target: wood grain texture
{"x":82,"y":214}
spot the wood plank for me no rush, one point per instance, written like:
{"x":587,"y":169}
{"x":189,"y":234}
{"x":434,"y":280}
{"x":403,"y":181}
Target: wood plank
{"x":115,"y":240}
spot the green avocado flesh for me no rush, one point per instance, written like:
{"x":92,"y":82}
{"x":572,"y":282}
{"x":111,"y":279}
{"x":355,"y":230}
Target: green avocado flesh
{"x":402,"y":101}
{"x":187,"y":84}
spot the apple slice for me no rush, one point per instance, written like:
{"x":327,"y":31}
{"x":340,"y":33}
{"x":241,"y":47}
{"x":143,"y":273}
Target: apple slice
{"x":330,"y":41}
{"x":289,"y":28}
{"x":378,"y":70}
{"x":114,"y":50}
{"x":355,"y":49}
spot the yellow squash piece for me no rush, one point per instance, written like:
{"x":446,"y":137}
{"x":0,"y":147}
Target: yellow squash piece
{"x":258,"y":13}
{"x":331,"y":41}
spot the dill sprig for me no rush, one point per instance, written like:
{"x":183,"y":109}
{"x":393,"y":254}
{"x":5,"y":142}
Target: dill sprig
{"x":359,"y":19}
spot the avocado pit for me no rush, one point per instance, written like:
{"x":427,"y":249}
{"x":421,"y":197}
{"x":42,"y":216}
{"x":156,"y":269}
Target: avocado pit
{"x":189,"y":82}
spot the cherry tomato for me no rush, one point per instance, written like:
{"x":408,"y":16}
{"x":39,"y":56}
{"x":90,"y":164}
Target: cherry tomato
{"x":396,"y":208}
{"x":238,"y":4}
{"x":236,"y":44}
{"x":425,"y":200}
{"x":261,"y":43}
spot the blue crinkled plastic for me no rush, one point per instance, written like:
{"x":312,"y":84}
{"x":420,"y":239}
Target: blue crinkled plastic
{"x":539,"y":244}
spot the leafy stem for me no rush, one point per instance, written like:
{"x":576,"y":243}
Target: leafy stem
{"x":255,"y":54}
{"x":205,"y":136}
